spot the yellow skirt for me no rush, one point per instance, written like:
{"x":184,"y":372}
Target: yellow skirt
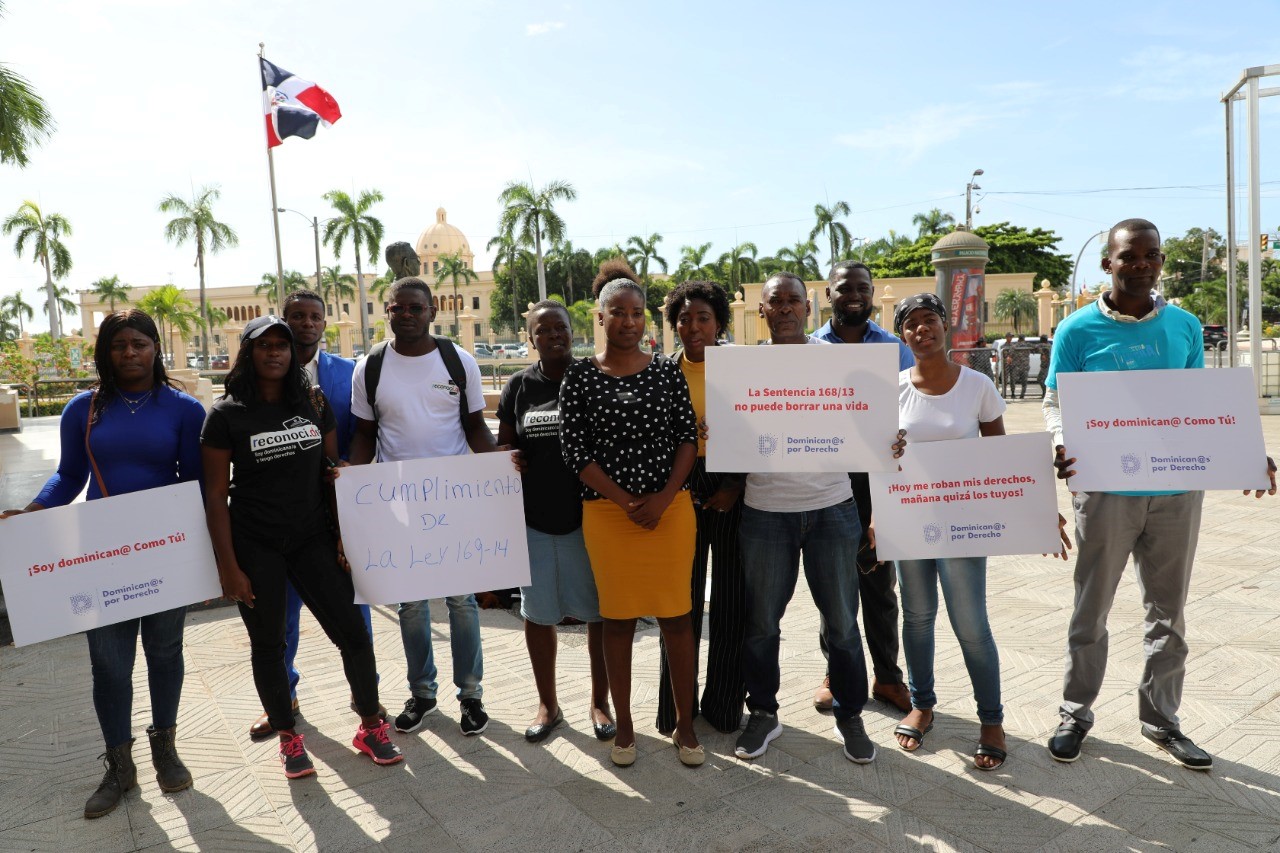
{"x":641,"y":572}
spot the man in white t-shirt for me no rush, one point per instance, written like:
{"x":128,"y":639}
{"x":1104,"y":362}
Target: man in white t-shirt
{"x":786,"y":515}
{"x":418,"y":417}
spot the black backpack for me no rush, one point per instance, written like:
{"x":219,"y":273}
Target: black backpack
{"x":452,"y":363}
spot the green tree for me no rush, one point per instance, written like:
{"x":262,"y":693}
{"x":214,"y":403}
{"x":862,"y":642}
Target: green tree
{"x":1197,"y":256}
{"x":354,"y":223}
{"x":194,"y":221}
{"x":269,"y":288}
{"x":801,"y":259}
{"x":566,"y":262}
{"x":516,"y":285}
{"x":62,"y":298}
{"x":8,"y":328}
{"x":380,"y":285}
{"x":16,"y":307}
{"x":608,"y":253}
{"x":739,"y":264}
{"x":172,"y":312}
{"x":453,"y":268}
{"x":337,"y":284}
{"x":1016,"y":306}
{"x":932,"y":223}
{"x":44,"y":233}
{"x":1016,"y":249}
{"x":641,"y":251}
{"x":25,"y":121}
{"x":110,"y":290}
{"x":530,"y":215}
{"x":581,"y":315}
{"x":837,"y":232}
{"x":693,"y":260}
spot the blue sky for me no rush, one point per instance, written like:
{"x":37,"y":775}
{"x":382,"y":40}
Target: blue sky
{"x":717,"y":122}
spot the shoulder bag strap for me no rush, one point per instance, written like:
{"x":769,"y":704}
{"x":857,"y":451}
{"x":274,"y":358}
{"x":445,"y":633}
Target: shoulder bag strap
{"x":88,"y":428}
{"x":453,"y":363}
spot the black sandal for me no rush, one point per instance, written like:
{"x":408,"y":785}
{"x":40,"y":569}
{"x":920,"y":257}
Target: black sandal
{"x":987,"y":751}
{"x":913,"y":733}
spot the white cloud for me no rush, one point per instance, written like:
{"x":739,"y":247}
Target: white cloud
{"x":543,"y":28}
{"x":909,"y":136}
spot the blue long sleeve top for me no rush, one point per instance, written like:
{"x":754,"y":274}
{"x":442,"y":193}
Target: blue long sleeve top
{"x":159,"y":445}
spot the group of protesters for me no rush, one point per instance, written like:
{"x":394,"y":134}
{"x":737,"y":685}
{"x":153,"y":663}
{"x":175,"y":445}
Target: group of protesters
{"x":624,"y":520}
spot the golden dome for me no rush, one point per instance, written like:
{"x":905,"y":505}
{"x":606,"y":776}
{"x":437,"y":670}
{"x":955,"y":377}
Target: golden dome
{"x":441,"y":239}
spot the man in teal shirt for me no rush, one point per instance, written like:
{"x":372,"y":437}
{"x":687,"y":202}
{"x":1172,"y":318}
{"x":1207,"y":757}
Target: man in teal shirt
{"x":1129,"y":328}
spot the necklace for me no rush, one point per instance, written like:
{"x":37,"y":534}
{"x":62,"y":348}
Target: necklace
{"x":133,"y":405}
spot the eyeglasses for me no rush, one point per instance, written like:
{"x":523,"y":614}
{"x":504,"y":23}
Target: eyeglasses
{"x":272,"y":344}
{"x":415,"y":309}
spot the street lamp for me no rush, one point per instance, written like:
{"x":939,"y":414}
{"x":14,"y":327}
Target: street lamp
{"x":968,"y":199}
{"x":862,"y":247}
{"x":315,"y":224}
{"x":1076,"y":268}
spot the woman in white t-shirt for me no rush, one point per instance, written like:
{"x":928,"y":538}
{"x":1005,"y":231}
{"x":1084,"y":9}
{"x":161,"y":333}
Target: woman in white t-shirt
{"x":939,"y":400}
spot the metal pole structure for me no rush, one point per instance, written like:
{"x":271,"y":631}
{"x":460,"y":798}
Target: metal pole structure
{"x":315,"y":223}
{"x":1233,"y":318}
{"x":1076,"y":268}
{"x":968,"y":199}
{"x":1255,"y":228}
{"x":275,"y":207}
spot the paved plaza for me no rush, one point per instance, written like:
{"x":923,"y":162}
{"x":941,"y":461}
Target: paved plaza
{"x":496,"y":792}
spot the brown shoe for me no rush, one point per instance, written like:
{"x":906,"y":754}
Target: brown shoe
{"x":822,"y":698}
{"x":262,"y":726}
{"x":896,"y":695}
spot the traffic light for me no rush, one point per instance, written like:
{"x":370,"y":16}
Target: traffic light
{"x":1264,"y":241}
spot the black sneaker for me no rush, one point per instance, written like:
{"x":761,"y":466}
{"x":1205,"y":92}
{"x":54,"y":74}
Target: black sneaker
{"x":858,"y":748}
{"x":762,"y":727}
{"x":474,"y":719}
{"x":1181,"y":748}
{"x":293,"y":755}
{"x":410,"y":720}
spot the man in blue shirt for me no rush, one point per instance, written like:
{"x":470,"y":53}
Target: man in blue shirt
{"x":851,"y":292}
{"x":1129,"y":328}
{"x":304,"y":311}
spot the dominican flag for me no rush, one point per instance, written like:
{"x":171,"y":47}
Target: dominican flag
{"x":293,"y":106}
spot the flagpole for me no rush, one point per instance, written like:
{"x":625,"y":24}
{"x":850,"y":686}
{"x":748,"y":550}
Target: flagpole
{"x":275,"y":207}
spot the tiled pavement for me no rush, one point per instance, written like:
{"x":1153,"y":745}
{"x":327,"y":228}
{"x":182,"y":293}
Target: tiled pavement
{"x":496,"y":792}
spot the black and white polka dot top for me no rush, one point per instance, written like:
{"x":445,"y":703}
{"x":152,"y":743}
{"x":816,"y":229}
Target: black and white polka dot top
{"x":628,"y":425}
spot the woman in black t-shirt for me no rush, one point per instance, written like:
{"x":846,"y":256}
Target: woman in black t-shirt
{"x":279,"y":434}
{"x":560,"y":572}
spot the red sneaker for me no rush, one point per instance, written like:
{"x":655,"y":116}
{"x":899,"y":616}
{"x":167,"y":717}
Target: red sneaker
{"x":376,"y":743}
{"x":293,"y":755}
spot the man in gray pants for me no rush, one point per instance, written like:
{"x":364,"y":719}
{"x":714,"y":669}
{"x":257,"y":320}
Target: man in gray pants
{"x":1129,"y":328}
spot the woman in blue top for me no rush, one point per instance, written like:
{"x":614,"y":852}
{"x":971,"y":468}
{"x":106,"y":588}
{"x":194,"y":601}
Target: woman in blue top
{"x":134,"y":430}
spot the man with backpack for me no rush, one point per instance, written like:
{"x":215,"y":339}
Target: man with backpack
{"x":420,"y":397}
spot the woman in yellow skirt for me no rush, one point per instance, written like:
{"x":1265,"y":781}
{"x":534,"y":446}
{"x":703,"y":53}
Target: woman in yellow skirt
{"x":628,"y":429}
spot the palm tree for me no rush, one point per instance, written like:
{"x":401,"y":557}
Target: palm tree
{"x":641,"y":250}
{"x":24,"y":120}
{"x":334,"y":282}
{"x":692,"y":261}
{"x":15,"y":306}
{"x":62,"y":298}
{"x":531,"y":215}
{"x":354,"y":223}
{"x":1015,"y":305}
{"x":452,"y":268}
{"x":933,"y":222}
{"x":380,"y":285}
{"x":110,"y":290}
{"x":837,"y":233}
{"x":268,"y":286}
{"x":581,"y":315}
{"x":565,"y":254}
{"x":194,"y":221}
{"x":45,"y":234}
{"x":801,"y":259}
{"x":507,"y":246}
{"x":172,"y":312}
{"x":739,"y":264}
{"x":8,"y":331}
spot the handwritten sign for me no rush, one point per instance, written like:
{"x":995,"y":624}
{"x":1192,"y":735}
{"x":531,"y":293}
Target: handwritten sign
{"x":974,"y":497}
{"x":72,"y":568}
{"x":428,"y":528}
{"x":1156,"y":430}
{"x":802,"y":408}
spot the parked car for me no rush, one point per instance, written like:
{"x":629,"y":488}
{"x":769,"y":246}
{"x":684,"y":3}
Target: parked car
{"x":484,"y":351}
{"x":219,"y":362}
{"x":511,"y":351}
{"x":1213,"y":334}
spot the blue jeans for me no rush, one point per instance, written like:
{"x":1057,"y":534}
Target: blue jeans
{"x":112,"y":651}
{"x":772,"y":543}
{"x":464,"y":640}
{"x":964,"y":585}
{"x":292,"y":612}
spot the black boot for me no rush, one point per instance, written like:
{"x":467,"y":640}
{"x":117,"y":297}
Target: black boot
{"x":171,"y":773}
{"x":121,"y":775}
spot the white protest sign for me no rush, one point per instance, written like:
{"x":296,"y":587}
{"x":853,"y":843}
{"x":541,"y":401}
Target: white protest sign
{"x":802,"y":408}
{"x":973,"y":497}
{"x":72,"y":568}
{"x":1154,"y":430}
{"x":428,"y":528}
